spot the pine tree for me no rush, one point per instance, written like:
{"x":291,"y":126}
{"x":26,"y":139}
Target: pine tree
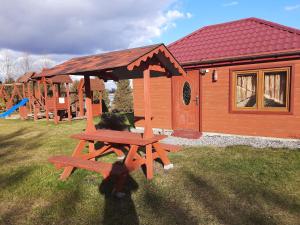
{"x":123,"y":100}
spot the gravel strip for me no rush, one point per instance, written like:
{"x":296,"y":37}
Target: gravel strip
{"x":230,"y":140}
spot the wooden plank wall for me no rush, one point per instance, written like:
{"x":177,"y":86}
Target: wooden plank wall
{"x":160,"y":101}
{"x":217,"y":118}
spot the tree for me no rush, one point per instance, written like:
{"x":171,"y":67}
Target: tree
{"x":123,"y":100}
{"x":105,"y":100}
{"x":25,"y":63}
{"x":7,"y":67}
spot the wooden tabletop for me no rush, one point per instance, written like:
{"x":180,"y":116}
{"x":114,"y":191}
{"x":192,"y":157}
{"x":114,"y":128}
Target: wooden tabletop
{"x":118,"y":137}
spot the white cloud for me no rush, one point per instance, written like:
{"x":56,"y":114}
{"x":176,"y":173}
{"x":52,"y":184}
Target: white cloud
{"x":83,"y":26}
{"x":156,"y":27}
{"x":233,"y":3}
{"x":64,"y":29}
{"x":292,"y":7}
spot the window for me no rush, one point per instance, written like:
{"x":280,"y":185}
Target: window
{"x":186,"y":93}
{"x":261,"y":90}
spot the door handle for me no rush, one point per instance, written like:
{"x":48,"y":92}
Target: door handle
{"x":197,"y":100}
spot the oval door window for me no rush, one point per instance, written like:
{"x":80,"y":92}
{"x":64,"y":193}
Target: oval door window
{"x":186,"y":93}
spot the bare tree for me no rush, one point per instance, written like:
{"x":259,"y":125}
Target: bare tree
{"x":25,"y":63}
{"x":45,"y":62}
{"x":7,"y":67}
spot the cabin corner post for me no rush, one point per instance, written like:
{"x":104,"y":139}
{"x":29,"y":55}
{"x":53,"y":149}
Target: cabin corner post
{"x":148,"y":132}
{"x":88,"y":101}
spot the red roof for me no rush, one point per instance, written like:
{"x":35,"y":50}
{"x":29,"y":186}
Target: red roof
{"x":26,"y":77}
{"x":127,"y":59}
{"x":96,"y":84}
{"x":246,"y":37}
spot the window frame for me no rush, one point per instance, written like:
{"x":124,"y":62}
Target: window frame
{"x":260,"y":108}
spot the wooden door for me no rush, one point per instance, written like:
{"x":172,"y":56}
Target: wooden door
{"x":186,"y":101}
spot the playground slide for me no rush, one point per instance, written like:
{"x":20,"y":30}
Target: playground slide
{"x":12,"y":109}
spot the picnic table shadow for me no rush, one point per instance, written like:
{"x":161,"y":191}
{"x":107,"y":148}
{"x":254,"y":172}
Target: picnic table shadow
{"x":119,"y":210}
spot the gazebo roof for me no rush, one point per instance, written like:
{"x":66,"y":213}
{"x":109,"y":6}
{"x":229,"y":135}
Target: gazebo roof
{"x":96,"y":84}
{"x":57,"y":79}
{"x":26,"y":77}
{"x":123,"y":64}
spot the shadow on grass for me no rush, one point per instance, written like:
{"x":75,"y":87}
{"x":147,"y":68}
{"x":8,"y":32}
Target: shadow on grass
{"x":62,"y":205}
{"x":114,"y":121}
{"x":15,"y":177}
{"x":15,"y":148}
{"x":168,"y":210}
{"x":119,"y":211}
{"x":228,"y":210}
{"x":250,"y":190}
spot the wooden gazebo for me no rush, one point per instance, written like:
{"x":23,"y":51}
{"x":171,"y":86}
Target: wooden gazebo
{"x":95,"y":85}
{"x":55,"y":103}
{"x":36,"y":88}
{"x":137,"y":63}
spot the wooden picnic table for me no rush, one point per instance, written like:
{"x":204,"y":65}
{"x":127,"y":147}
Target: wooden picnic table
{"x":116,"y":141}
{"x":140,"y":149}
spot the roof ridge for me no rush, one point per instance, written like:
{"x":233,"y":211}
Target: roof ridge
{"x":276,"y":25}
{"x":257,"y":20}
{"x":120,"y":50}
{"x":207,"y":26}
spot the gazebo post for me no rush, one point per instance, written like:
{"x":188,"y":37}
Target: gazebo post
{"x":100,"y":101}
{"x":68,"y":101}
{"x":88,"y":101}
{"x":39,"y":90}
{"x":23,"y":88}
{"x":46,"y":98}
{"x":80,"y":100}
{"x":148,"y":132}
{"x":29,"y":96}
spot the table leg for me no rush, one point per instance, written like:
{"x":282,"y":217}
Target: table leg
{"x":129,"y":161}
{"x":149,"y":161}
{"x":163,"y":156}
{"x":92,"y":149}
{"x":77,"y":151}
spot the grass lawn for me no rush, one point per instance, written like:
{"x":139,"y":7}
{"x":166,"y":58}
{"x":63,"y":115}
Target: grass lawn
{"x":233,"y":185}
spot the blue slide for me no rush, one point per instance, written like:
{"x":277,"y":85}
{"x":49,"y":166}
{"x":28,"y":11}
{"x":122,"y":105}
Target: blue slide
{"x":12,"y":109}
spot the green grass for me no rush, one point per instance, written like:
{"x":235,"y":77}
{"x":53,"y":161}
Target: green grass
{"x":234,"y":185}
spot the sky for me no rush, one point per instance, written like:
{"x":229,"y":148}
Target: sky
{"x":62,"y":29}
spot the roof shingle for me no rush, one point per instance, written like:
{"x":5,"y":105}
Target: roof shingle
{"x":246,"y":37}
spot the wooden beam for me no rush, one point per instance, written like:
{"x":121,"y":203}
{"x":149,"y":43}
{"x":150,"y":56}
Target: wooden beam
{"x":88,"y":101}
{"x":148,"y":132}
{"x":68,"y":102}
{"x":80,"y":98}
{"x":46,"y":98}
{"x":55,"y":103}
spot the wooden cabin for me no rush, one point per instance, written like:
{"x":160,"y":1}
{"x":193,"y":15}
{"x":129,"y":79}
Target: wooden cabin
{"x":243,"y":77}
